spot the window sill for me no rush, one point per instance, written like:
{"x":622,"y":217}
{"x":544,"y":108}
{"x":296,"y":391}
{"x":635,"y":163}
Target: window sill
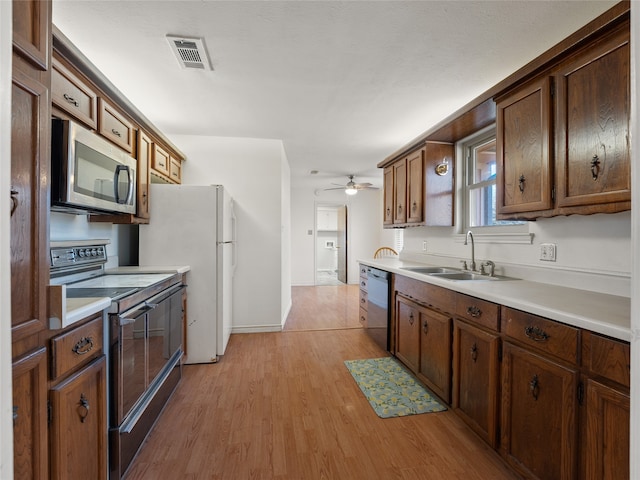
{"x":498,"y":238}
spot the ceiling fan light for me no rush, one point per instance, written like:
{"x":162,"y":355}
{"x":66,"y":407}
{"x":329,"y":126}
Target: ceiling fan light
{"x":350,"y":190}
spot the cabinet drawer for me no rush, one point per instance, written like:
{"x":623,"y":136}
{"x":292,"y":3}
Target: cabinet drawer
{"x":363,"y":317}
{"x":607,"y":357}
{"x":76,"y":347}
{"x":73,"y":96}
{"x":114,"y":127}
{"x":175,"y":170}
{"x":160,"y":160}
{"x":363,"y":283}
{"x":363,"y":299}
{"x":478,"y":311}
{"x":542,"y":334}
{"x":363,"y":271}
{"x":424,"y":293}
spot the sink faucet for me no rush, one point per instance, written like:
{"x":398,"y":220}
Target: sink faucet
{"x":472,"y":266}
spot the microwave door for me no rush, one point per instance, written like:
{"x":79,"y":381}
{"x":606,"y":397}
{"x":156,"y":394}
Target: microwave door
{"x":123,"y":191}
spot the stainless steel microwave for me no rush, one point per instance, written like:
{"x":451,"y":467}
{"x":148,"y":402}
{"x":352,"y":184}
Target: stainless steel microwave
{"x":89,"y":174}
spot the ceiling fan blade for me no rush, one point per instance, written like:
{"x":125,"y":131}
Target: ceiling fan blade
{"x":363,"y":185}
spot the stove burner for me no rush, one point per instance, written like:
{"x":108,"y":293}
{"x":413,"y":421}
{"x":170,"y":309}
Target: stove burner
{"x":113,"y":292}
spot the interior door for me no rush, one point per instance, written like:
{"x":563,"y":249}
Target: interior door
{"x":342,"y":243}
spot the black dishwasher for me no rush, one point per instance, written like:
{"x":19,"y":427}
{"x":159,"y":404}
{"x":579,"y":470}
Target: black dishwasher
{"x":378,"y":314}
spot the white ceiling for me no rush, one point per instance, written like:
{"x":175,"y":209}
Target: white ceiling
{"x":343,"y":84}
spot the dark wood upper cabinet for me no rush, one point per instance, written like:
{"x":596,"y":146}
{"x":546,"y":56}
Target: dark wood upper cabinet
{"x":32,"y":31}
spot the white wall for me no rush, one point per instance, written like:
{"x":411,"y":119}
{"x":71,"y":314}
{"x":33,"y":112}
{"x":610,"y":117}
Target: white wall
{"x":593,"y":252}
{"x":285,"y":236}
{"x":255,"y":172}
{"x":364,"y":230}
{"x":6,"y":403}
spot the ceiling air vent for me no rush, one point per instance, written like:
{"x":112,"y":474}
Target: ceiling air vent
{"x":190,"y":52}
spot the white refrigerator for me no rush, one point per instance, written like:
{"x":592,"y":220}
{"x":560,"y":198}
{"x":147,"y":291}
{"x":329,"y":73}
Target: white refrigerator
{"x":194,"y":225}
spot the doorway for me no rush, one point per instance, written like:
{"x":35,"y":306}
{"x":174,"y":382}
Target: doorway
{"x":331,"y":244}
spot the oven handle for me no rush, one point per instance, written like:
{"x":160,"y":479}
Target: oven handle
{"x":130,"y":316}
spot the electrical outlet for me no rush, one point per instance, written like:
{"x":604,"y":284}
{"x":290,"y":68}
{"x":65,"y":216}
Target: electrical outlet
{"x":548,"y":252}
{"x":424,"y":245}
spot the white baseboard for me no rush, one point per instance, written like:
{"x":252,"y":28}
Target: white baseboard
{"x":256,"y":329}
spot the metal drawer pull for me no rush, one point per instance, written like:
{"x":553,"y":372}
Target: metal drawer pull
{"x":84,"y":345}
{"x":116,"y":132}
{"x":536,"y":334}
{"x":71,"y":100}
{"x":83,"y":408}
{"x":474,"y":353}
{"x":474,"y":311}
{"x":534,"y":388}
{"x":14,"y":201}
{"x":595,"y":167}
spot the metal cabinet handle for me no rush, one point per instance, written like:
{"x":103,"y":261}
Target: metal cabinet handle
{"x":84,"y":346}
{"x":14,"y":201}
{"x":536,"y":334}
{"x":15,"y":415}
{"x":363,"y":301}
{"x":425,"y":327}
{"x":474,"y":353}
{"x":388,"y":212}
{"x":414,"y":206}
{"x":521,"y":183}
{"x":474,"y":311}
{"x":411,"y":319}
{"x":71,"y":100}
{"x":400,"y":209}
{"x":83,"y":408}
{"x":116,"y":132}
{"x":534,"y":387}
{"x":595,"y":167}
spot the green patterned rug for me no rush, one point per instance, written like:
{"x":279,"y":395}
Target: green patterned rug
{"x":391,"y":390}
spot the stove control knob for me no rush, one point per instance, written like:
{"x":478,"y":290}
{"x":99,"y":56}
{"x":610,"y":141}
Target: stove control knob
{"x":87,"y":252}
{"x":94,"y":252}
{"x":81,"y":253}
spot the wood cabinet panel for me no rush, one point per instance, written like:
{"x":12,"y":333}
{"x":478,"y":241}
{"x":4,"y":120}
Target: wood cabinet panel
{"x":538,"y":427}
{"x":30,"y":126}
{"x":415,"y":187}
{"x":114,"y":126}
{"x":400,"y":191}
{"x":558,"y":339}
{"x":30,"y":416}
{"x":606,"y":357}
{"x":79,"y":425}
{"x":478,"y":311}
{"x":524,"y":143}
{"x":76,"y":347}
{"x":175,"y":170}
{"x":475,"y":379}
{"x":606,"y":455}
{"x":72,"y":95}
{"x":407,"y":333}
{"x":160,"y":160}
{"x":435,"y":352}
{"x":439,"y":298}
{"x":31,"y":31}
{"x":388,"y":196}
{"x":593,"y":111}
{"x":145,"y":154}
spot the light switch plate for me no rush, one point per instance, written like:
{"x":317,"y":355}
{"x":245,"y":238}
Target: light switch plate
{"x":548,"y":252}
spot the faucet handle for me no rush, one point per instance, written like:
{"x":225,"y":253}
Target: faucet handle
{"x":491,"y":265}
{"x":464,"y":264}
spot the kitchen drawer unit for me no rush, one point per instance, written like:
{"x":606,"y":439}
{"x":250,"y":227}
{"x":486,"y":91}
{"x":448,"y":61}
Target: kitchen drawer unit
{"x":114,"y":126}
{"x":480,"y":312}
{"x":436,"y":297}
{"x":72,"y":95}
{"x":76,"y":347}
{"x":606,"y":357}
{"x":541,"y":334}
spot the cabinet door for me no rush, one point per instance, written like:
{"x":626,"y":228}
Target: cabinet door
{"x":475,"y":379}
{"x":538,"y":415}
{"x":79,"y":425}
{"x":388,"y":196}
{"x":30,"y":416}
{"x":408,"y":333}
{"x":592,"y":125}
{"x":30,"y":126}
{"x":415,"y":187}
{"x":145,"y":149}
{"x":400,"y":191}
{"x":523,"y":142}
{"x":435,"y":352}
{"x":607,"y":432}
{"x":31,"y":31}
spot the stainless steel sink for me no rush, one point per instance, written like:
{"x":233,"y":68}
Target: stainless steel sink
{"x":463,"y":276}
{"x":431,"y":270}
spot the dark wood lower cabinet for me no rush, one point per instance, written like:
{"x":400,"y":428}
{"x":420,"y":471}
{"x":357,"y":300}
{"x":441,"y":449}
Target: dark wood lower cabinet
{"x":78,"y":430}
{"x":539,"y":415}
{"x":407,"y":333}
{"x":606,"y":439}
{"x":30,"y":416}
{"x":475,"y":379}
{"x":435,"y":352}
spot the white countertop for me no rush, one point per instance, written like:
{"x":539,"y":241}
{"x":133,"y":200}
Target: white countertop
{"x":602,"y":313}
{"x":76,"y":309}
{"x":149,"y":269}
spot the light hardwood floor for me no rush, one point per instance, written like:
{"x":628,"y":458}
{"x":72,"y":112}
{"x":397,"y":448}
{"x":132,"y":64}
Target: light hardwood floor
{"x":284,"y":406}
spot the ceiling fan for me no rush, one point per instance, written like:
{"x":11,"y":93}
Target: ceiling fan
{"x":351,"y":188}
